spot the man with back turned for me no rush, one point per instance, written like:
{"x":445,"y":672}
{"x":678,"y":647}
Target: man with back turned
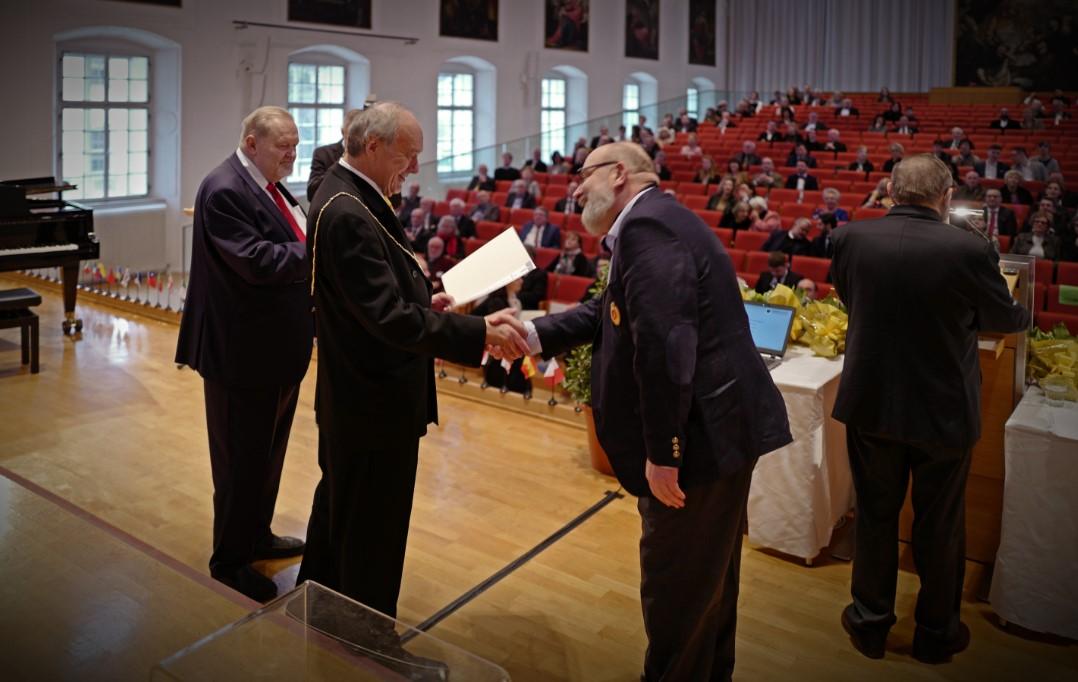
{"x":918,"y":291}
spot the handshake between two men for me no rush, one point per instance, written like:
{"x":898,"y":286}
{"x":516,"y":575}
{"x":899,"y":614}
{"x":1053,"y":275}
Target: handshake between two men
{"x":506,"y":337}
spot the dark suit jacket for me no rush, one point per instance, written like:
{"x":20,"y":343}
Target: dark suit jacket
{"x":746,"y":160}
{"x":1020,"y":195}
{"x":377,"y":336}
{"x":766,"y":281}
{"x":1024,"y":242}
{"x":771,"y":137}
{"x":791,"y":161}
{"x":1011,"y":124}
{"x":476,"y":184}
{"x":560,"y":206}
{"x":1006,"y":221}
{"x":865,"y":167}
{"x":1001,"y":168}
{"x":551,"y":238}
{"x":527,"y":202}
{"x":465,"y":227}
{"x":533,"y":289}
{"x":506,"y":173}
{"x":247,"y":318}
{"x":323,"y":159}
{"x":912,"y":371}
{"x":675,"y":376}
{"x":811,"y":184}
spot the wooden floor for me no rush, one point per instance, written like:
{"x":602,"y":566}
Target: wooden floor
{"x":113,"y":427}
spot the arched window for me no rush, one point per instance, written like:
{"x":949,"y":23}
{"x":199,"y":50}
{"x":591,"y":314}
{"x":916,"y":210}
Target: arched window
{"x":323,"y":82}
{"x":692,"y":101}
{"x":639,"y":98}
{"x":563,"y":109}
{"x":465,"y":117}
{"x":704,"y":96}
{"x":113,"y":81}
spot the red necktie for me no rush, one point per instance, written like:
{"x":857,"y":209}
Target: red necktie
{"x":278,"y":198}
{"x":992,"y":223}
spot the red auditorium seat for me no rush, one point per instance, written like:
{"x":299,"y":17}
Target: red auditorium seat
{"x":695,"y":202}
{"x":725,"y":235}
{"x":1039,"y":292}
{"x":575,"y":223}
{"x":1053,"y":305}
{"x":1004,"y":243}
{"x":519,"y":216}
{"x":783,"y":195}
{"x":822,"y":290}
{"x":462,"y":194}
{"x":544,"y":257}
{"x":556,"y":218}
{"x":557,"y":179}
{"x":567,"y":288}
{"x":737,"y":257}
{"x":498,"y":198}
{"x":712,"y":218}
{"x":750,"y":241}
{"x":488,"y":229}
{"x":550,"y":202}
{"x":755,"y":262}
{"x":1043,"y":270}
{"x":1047,"y":320}
{"x":691,"y":188}
{"x":555,"y":191}
{"x":1067,"y":273}
{"x":861,"y":213}
{"x":816,"y":269}
{"x":589,"y":243}
{"x":798,"y":210}
{"x":471,"y":244}
{"x":1021,"y":211}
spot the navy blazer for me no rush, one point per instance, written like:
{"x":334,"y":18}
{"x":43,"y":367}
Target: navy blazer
{"x":247,"y":318}
{"x":676,"y":378}
{"x":550,"y":239}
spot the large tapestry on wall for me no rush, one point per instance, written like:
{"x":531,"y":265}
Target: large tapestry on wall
{"x":1028,"y":43}
{"x":476,"y":19}
{"x":351,"y":13}
{"x":642,"y":29}
{"x":702,"y":32}
{"x":567,"y":24}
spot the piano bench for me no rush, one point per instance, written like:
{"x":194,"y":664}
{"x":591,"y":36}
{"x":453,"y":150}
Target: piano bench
{"x":15,"y":311}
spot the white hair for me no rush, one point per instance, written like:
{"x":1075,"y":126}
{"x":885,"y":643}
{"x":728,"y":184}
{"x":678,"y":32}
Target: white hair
{"x":831,"y":192}
{"x":456,"y":201}
{"x":261,"y":121}
{"x":379,"y":122}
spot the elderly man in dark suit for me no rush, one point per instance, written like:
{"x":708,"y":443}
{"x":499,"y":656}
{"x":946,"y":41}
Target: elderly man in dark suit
{"x":379,"y":330}
{"x":247,"y":329}
{"x":801,"y":180}
{"x":998,"y":219}
{"x":325,"y":156}
{"x":910,"y":398}
{"x":682,"y":400}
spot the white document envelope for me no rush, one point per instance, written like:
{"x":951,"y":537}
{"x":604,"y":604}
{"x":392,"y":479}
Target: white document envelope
{"x":492,"y":266}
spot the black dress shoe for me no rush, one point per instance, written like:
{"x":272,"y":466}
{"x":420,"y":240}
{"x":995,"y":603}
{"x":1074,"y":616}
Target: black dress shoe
{"x":279,"y":547}
{"x":872,"y":644}
{"x":246,"y":580}
{"x":928,"y":649}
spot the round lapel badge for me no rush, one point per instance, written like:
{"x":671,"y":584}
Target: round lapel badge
{"x":615,"y":314}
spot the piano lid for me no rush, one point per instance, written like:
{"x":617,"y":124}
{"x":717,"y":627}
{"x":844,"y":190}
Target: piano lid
{"x":43,"y":185}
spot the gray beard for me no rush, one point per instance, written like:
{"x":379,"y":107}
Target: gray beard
{"x":597,"y":206}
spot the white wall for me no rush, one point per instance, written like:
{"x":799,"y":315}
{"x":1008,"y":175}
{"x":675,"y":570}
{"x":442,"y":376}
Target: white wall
{"x":227,"y":72}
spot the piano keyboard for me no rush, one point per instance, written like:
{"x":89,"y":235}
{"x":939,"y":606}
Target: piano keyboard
{"x":32,"y":250}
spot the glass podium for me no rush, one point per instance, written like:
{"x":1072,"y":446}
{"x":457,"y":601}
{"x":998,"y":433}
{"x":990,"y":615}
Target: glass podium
{"x":313,"y":633}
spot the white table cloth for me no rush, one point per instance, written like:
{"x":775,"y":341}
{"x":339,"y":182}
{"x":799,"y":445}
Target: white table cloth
{"x":1035,"y":582}
{"x":800,"y":492}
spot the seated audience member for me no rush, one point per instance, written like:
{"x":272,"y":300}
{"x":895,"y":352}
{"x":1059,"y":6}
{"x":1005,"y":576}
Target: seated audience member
{"x":861,"y":163}
{"x":539,"y":233}
{"x":1038,"y":242}
{"x":771,"y":134}
{"x":791,"y":134}
{"x":1059,"y":113}
{"x":484,"y":209}
{"x":778,"y":272}
{"x":527,"y":176}
{"x":1030,"y":170}
{"x":831,"y":198}
{"x":739,"y":217}
{"x":661,"y":169}
{"x":971,"y":191}
{"x":757,"y":207}
{"x":878,"y":198}
{"x":793,"y":242}
{"x":481,"y":180}
{"x":664,"y":138}
{"x":1053,"y":192}
{"x":998,"y":219}
{"x":957,"y":137}
{"x":452,"y":245}
{"x":726,"y":120}
{"x":904,"y":127}
{"x":991,"y":167}
{"x":748,"y":156}
{"x":743,"y":191}
{"x":571,"y":260}
{"x":897,"y":152}
{"x":557,"y":166}
{"x":579,"y":156}
{"x":568,"y":204}
{"x":965,"y":155}
{"x":847,"y":108}
{"x":801,"y":180}
{"x":494,"y":373}
{"x":707,"y":173}
{"x":685,"y":123}
{"x":418,"y":231}
{"x":808,"y":290}
{"x":648,"y":142}
{"x":1068,"y":198}
{"x":770,"y":222}
{"x":800,"y":153}
{"x":1044,"y":157}
{"x":893,"y":113}
{"x":1033,"y":116}
{"x":506,"y":171}
{"x":945,"y":158}
{"x":519,"y":197}
{"x":767,"y":177}
{"x":465,"y":225}
{"x":1005,"y":122}
{"x":812,"y":142}
{"x":409,"y":203}
{"x":885,"y":96}
{"x":833,"y":144}
{"x":536,"y":161}
{"x":1057,"y":220}
{"x":438,"y":261}
{"x":426,"y":204}
{"x":692,"y":149}
{"x":1012,"y":190}
{"x":813,"y":122}
{"x":908,"y":112}
{"x":822,"y":246}
{"x":878,"y":125}
{"x":603,"y":132}
{"x":723,"y":199}
{"x":533,"y":292}
{"x":734,"y":172}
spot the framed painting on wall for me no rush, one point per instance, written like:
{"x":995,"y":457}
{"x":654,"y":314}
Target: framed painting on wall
{"x":567,"y":25}
{"x":702,"y":32}
{"x":476,"y":19}
{"x":351,"y":13}
{"x":642,"y":29}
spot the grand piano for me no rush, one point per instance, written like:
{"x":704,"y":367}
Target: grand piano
{"x":46,"y":232}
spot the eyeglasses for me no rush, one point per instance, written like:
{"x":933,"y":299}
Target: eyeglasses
{"x":584,"y":173}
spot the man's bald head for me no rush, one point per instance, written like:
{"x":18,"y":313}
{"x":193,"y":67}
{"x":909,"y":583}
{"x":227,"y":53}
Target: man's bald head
{"x":922,"y":180}
{"x":631,"y":156}
{"x":610,"y":177}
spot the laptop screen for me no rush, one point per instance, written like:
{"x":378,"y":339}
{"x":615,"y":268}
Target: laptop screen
{"x":770,"y":326}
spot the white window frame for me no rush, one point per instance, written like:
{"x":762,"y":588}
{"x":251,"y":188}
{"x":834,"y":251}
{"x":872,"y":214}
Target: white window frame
{"x":454,"y":155}
{"x":107,"y":52}
{"x":553,"y":118}
{"x":301,"y":170}
{"x":630,"y":104}
{"x":692,"y":101}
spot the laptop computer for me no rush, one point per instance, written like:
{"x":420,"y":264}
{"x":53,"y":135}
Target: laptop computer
{"x":770,"y":327}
